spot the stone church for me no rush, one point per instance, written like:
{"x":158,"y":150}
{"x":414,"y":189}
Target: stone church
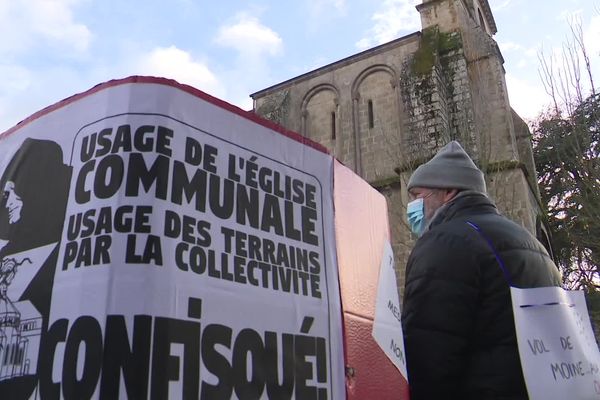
{"x":386,"y":110}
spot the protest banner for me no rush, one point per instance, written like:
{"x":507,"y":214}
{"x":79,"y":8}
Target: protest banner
{"x":158,"y":243}
{"x":558,"y":351}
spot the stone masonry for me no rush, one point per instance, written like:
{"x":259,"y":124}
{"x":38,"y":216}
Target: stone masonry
{"x":384,"y":111}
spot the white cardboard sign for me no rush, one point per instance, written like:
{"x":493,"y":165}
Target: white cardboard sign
{"x":387,"y":326}
{"x":558,"y":351}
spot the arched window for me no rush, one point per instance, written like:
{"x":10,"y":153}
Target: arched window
{"x":371,"y":117}
{"x":333,"y":125}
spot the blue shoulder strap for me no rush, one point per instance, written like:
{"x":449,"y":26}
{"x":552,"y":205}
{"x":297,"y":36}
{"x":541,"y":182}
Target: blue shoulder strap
{"x":491,"y":245}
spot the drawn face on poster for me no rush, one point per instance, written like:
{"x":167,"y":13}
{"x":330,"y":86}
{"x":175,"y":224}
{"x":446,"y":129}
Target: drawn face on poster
{"x":11,"y":205}
{"x":34,"y":196}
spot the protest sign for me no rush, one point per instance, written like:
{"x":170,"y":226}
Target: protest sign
{"x":159,"y":243}
{"x":387,"y":325}
{"x":558,"y":351}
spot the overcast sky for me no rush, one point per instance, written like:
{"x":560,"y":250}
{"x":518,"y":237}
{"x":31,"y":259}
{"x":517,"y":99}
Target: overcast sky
{"x":52,"y":49}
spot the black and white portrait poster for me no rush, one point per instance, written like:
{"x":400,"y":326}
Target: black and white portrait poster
{"x":158,"y":243}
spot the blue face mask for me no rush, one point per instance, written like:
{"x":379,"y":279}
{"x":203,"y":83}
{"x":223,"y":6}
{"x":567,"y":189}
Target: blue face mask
{"x":415,"y":213}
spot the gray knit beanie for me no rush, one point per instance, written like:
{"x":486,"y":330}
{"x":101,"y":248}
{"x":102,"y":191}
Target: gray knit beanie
{"x":450,"y":168}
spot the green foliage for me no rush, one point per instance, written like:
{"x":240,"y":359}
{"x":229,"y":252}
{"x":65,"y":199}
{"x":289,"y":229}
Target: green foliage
{"x":433,"y":43}
{"x":566,"y":152}
{"x":424,"y":58}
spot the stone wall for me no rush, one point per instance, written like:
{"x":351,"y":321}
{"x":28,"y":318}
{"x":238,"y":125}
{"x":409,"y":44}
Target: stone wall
{"x":346,"y":87}
{"x":397,"y":104}
{"x":437,"y":96}
{"x":510,"y":191}
{"x":320,"y":114}
{"x":378,"y":123}
{"x":525,"y":147}
{"x":491,"y":116}
{"x":496,"y":138}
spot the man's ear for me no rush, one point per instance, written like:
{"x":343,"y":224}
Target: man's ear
{"x":449,"y":194}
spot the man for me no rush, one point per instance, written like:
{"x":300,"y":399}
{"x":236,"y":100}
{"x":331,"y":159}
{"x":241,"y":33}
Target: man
{"x":457,"y":313}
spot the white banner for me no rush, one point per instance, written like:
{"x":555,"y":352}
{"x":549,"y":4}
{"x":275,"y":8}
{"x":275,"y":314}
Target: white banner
{"x":387,"y":325}
{"x":559,"y":354}
{"x":196,"y":259}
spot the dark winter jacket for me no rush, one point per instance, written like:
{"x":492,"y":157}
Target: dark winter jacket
{"x":457,"y":315}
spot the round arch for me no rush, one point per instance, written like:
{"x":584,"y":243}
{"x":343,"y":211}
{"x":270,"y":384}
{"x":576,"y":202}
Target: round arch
{"x":317,"y":89}
{"x":370,"y":70}
{"x":355,"y":94}
{"x":309,"y":95}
